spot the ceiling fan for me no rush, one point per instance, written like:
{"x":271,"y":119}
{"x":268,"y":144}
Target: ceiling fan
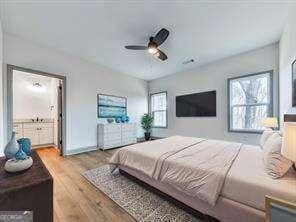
{"x":153,"y":44}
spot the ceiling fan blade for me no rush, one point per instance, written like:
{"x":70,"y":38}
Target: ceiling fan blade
{"x":160,"y":55}
{"x":161,"y":36}
{"x":136,"y":47}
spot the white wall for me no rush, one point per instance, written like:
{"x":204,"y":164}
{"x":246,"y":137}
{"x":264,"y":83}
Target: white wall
{"x":84,"y":81}
{"x":287,"y":54}
{"x":214,"y":77}
{"x":1,"y":93}
{"x":29,"y":103}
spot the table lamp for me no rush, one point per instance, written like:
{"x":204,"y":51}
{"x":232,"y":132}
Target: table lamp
{"x":270,"y":122}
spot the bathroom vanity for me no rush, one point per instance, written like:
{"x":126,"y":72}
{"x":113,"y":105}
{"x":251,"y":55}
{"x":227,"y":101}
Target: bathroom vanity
{"x":40,"y":132}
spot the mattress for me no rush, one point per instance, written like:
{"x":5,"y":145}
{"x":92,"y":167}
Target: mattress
{"x":248,"y":183}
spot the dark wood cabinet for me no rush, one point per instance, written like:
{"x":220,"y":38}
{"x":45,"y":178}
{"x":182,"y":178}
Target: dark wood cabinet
{"x":30,"y":190}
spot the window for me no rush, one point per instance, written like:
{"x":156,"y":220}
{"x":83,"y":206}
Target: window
{"x":250,"y":100}
{"x":158,"y":108}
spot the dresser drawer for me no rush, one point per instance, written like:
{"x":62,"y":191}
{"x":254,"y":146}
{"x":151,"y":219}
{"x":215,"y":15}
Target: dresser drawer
{"x":111,"y":144}
{"x":129,"y":134}
{"x":128,"y":127}
{"x":112,"y":136}
{"x":116,"y":135}
{"x":112,"y":129}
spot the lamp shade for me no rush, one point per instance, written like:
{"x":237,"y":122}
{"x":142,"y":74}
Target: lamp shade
{"x":289,"y":141}
{"x":270,"y":122}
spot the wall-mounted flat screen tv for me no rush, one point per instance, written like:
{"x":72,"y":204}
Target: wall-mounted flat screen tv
{"x":294,"y":84}
{"x":197,"y":104}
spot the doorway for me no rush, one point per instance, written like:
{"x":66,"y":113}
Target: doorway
{"x":36,"y":107}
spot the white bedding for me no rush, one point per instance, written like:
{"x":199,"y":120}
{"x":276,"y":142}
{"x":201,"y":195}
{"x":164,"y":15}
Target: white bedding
{"x":247,"y":181}
{"x":147,"y":157}
{"x":180,"y":162}
{"x":196,"y":166}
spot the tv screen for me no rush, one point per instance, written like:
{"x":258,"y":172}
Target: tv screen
{"x":294,"y":84}
{"x":198,"y":104}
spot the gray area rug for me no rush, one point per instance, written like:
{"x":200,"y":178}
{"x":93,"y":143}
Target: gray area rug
{"x":139,"y":202}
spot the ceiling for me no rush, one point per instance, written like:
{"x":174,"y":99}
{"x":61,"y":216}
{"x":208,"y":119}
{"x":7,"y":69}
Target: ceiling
{"x":98,"y":31}
{"x":24,"y":80}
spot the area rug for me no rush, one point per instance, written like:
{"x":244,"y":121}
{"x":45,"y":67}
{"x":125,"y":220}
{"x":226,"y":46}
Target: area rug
{"x":139,"y":202}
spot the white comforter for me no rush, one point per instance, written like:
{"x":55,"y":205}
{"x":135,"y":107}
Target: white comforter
{"x":195,"y":166}
{"x":148,"y":157}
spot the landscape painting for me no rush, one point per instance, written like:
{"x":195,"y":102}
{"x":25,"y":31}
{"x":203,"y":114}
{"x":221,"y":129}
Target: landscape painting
{"x":111,"y":106}
{"x":294,"y":83}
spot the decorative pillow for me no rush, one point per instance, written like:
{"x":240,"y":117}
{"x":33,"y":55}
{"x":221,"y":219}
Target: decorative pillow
{"x":276,"y":165}
{"x":265,"y":135}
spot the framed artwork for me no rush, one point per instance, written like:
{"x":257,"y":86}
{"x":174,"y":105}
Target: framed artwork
{"x":111,"y":106}
{"x":277,"y":210}
{"x":294,"y":83}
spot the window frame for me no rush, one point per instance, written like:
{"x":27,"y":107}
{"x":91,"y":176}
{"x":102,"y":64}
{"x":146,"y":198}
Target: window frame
{"x":271,"y":103}
{"x":166,"y":108}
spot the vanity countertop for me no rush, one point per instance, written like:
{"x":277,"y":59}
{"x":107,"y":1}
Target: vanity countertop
{"x":31,"y":121}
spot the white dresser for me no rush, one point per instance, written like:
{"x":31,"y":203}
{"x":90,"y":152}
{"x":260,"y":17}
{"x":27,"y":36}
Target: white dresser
{"x":40,"y":133}
{"x":111,"y":135}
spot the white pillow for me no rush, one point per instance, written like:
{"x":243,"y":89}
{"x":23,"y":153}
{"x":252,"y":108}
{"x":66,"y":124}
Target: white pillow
{"x":276,"y":165}
{"x":265,"y":135}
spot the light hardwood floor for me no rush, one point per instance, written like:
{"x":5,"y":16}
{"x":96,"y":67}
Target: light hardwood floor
{"x":75,"y":199}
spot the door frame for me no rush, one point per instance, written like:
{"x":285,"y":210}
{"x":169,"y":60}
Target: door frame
{"x":9,"y":101}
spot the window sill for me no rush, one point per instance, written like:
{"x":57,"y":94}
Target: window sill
{"x":246,"y":131}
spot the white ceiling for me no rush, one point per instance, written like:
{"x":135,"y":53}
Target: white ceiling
{"x":97,"y":31}
{"x":26,"y":80}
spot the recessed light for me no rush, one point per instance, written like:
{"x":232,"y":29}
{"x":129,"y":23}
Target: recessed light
{"x":152,"y":50}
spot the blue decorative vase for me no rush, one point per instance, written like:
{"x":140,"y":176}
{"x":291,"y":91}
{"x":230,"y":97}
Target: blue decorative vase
{"x":127,"y":119}
{"x":12,"y":147}
{"x":25,"y":145}
{"x":110,"y":120}
{"x":117,"y":119}
{"x":123,"y":119}
{"x":20,"y":155}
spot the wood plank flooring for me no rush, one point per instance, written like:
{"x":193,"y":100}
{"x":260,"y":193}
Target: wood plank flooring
{"x":75,"y":199}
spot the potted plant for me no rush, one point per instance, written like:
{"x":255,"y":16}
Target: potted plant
{"x":146,"y":123}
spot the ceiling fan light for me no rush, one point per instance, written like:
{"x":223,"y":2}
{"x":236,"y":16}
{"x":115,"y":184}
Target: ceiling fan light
{"x":152,"y":50}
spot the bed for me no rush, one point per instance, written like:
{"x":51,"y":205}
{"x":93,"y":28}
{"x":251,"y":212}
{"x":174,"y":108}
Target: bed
{"x":225,"y":180}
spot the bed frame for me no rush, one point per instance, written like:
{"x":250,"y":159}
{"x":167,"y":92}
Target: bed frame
{"x":225,"y":210}
{"x":199,"y":215}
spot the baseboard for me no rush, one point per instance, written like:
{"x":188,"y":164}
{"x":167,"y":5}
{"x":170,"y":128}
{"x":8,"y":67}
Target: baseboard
{"x":80,"y":150}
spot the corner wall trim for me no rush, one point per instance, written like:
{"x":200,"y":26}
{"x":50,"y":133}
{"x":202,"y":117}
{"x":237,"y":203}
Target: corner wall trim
{"x":80,"y":150}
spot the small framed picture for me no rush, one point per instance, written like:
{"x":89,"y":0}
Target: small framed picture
{"x":277,"y":210}
{"x":294,"y":83}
